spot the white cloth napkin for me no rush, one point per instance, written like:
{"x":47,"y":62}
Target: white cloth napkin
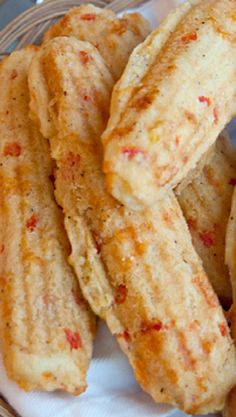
{"x":112,"y":390}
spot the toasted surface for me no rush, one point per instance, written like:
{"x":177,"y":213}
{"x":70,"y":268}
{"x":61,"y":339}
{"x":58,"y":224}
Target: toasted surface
{"x":138,"y":270}
{"x":114,"y":37}
{"x":206,"y":204}
{"x":194,"y":173}
{"x":168,"y":107}
{"x":230,"y":256}
{"x":230,"y":259}
{"x":46,"y":326}
{"x":230,"y":249}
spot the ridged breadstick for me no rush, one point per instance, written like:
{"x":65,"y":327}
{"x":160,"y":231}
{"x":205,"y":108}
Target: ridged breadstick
{"x":230,"y":258}
{"x":46,"y":326}
{"x":138,"y":270}
{"x":206,"y":204}
{"x":115,"y":38}
{"x":174,"y":98}
{"x":230,"y":250}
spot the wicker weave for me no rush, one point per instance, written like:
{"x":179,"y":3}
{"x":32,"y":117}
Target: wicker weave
{"x":29,"y":27}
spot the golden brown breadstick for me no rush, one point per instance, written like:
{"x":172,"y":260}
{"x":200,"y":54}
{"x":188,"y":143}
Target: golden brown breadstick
{"x":206,"y":204}
{"x":230,"y":255}
{"x":174,"y":98}
{"x":114,"y":37}
{"x":46,"y":326}
{"x":230,"y":250}
{"x":230,"y":405}
{"x":194,"y":173}
{"x":138,"y":270}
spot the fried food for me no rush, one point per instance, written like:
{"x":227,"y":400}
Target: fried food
{"x":230,"y":406}
{"x":230,"y":251}
{"x":194,"y":173}
{"x":138,"y":270}
{"x":114,"y":37}
{"x":46,"y":326}
{"x":174,"y":98}
{"x":206,"y":204}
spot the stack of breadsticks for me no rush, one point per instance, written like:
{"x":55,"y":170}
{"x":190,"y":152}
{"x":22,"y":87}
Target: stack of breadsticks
{"x":135,"y":209}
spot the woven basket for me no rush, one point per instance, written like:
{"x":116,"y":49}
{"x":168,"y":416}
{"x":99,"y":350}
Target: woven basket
{"x":29,"y":28}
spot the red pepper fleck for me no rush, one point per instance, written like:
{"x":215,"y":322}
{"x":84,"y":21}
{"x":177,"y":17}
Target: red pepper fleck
{"x":157,"y":327}
{"x":88,"y":95}
{"x":192,"y":223}
{"x":12,"y":149}
{"x":88,"y":16}
{"x":2,"y":247}
{"x":204,"y":99}
{"x":223,"y":329}
{"x":132,"y":152}
{"x":74,"y":339}
{"x":120,"y":294}
{"x":147,"y":327}
{"x":232,"y":181}
{"x":189,"y":37}
{"x":32,"y":223}
{"x":207,"y":239}
{"x":14,"y":74}
{"x":84,"y":57}
{"x":125,"y":335}
{"x":185,"y":159}
{"x":216,"y":115}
